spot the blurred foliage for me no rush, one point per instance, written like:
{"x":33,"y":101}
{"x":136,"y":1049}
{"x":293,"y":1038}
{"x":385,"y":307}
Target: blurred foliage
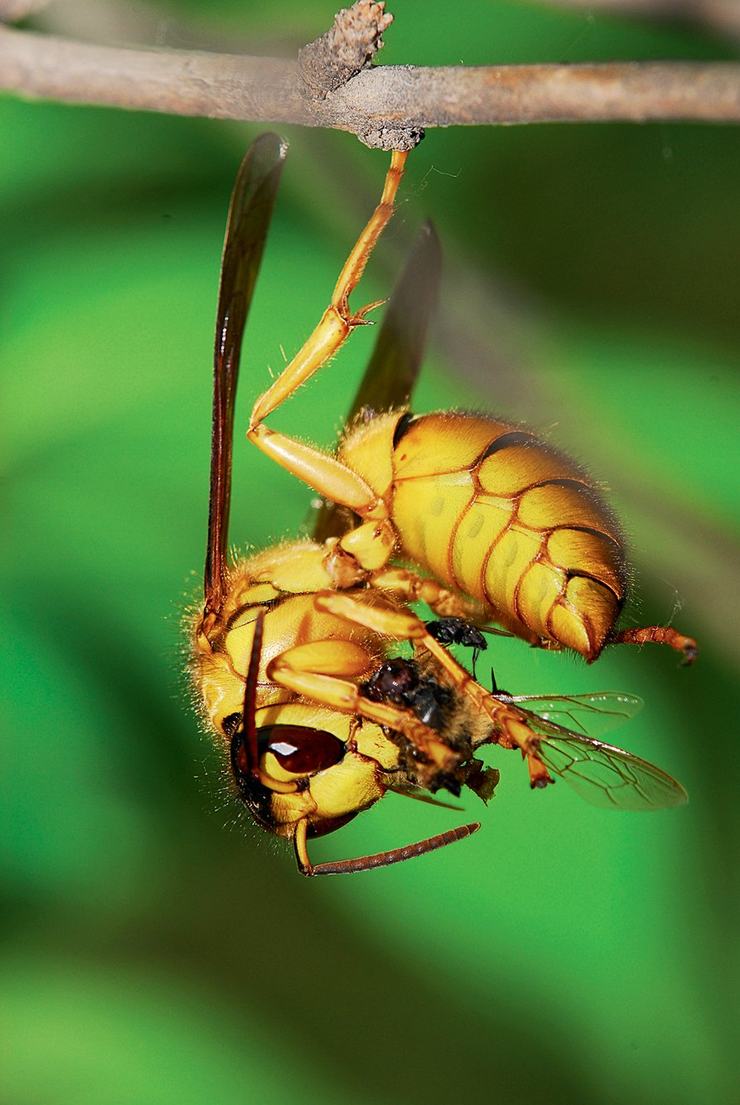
{"x":563,"y":954}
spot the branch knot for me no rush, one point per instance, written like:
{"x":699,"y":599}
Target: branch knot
{"x":348,"y":46}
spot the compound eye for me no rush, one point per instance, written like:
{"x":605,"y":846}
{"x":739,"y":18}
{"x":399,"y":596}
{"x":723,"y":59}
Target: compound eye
{"x":300,"y":749}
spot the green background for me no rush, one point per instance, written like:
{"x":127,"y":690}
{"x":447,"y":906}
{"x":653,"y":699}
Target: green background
{"x":157,"y":949}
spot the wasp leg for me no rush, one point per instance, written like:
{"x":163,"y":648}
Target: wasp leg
{"x":415,"y":588}
{"x":324,"y":473}
{"x":338,"y":321}
{"x":355,"y":264}
{"x":510,"y":727}
{"x":401,"y":624}
{"x":659,"y":635}
{"x":304,"y":669}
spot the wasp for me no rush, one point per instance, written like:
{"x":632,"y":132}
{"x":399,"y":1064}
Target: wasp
{"x":295,"y":648}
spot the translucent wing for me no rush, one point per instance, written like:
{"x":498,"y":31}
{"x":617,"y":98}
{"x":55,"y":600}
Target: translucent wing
{"x":610,"y":777}
{"x":602,"y":774}
{"x":249,"y":217}
{"x":397,"y":355}
{"x":588,"y":714}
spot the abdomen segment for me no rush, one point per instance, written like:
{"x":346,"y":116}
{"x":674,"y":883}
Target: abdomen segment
{"x":496,"y":513}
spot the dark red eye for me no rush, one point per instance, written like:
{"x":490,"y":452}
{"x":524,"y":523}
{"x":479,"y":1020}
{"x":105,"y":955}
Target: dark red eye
{"x":300,"y":749}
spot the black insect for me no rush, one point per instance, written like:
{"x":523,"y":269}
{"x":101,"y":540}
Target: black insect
{"x":456,"y":631}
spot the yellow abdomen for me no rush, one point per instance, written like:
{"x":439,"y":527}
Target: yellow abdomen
{"x":506,"y":519}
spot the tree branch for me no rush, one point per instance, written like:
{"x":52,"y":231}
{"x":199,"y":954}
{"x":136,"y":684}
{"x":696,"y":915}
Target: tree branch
{"x":385,"y":106}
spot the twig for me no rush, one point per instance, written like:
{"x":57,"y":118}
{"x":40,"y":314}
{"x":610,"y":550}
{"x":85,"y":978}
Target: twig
{"x":385,"y":106}
{"x":348,"y":46}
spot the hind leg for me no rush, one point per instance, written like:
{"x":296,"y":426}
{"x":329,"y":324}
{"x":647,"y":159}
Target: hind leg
{"x":658,"y":635}
{"x":326,"y":475}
